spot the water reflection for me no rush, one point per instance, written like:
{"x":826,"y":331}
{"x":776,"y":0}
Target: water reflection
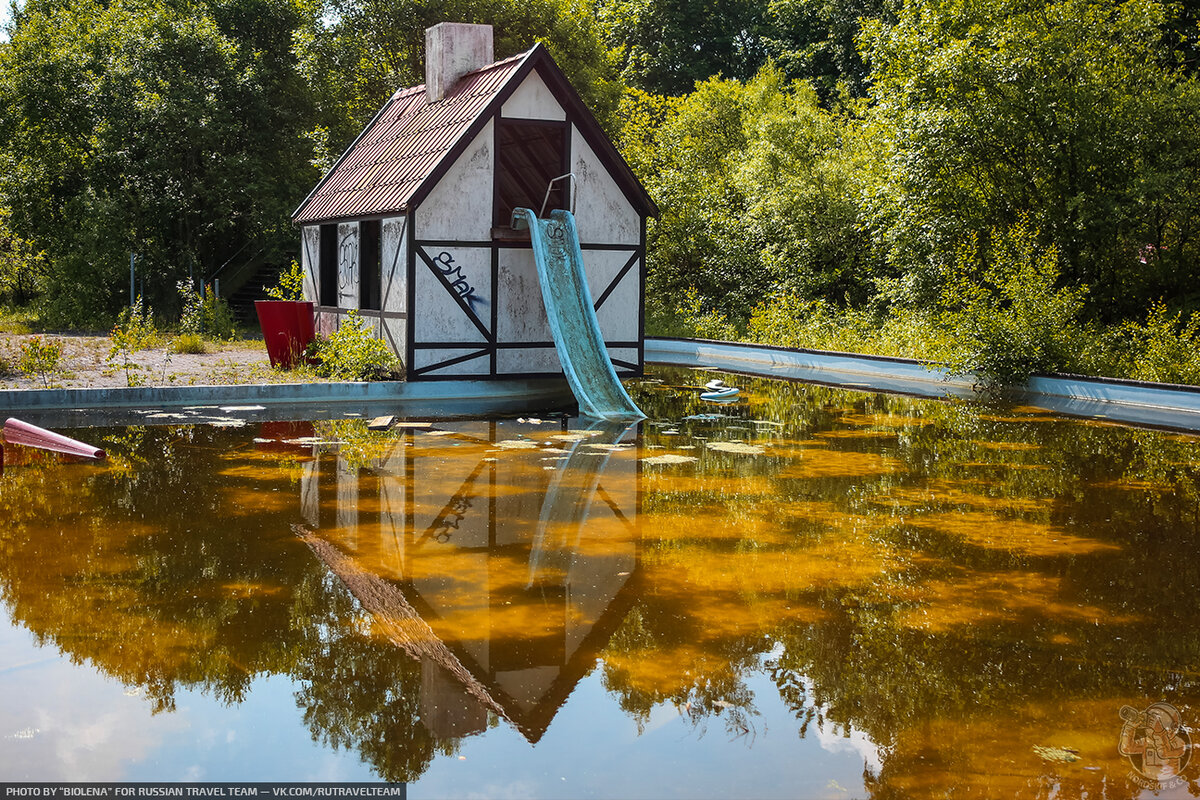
{"x":499,"y":563}
{"x":964,"y":597}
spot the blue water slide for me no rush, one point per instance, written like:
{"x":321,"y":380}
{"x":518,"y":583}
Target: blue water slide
{"x":572,"y":316}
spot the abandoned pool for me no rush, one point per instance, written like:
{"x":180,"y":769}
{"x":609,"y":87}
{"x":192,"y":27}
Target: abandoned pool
{"x":811,"y":592}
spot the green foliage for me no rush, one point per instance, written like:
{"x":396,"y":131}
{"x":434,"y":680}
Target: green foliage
{"x":41,"y":357}
{"x":666,"y":47}
{"x":22,"y":270}
{"x":757,"y":187}
{"x":1007,"y":314}
{"x":191,"y":317}
{"x":135,"y":331}
{"x":353,"y":353}
{"x":1165,"y":347}
{"x":169,"y":130}
{"x":205,"y":314}
{"x":790,"y":321}
{"x":192,"y":343}
{"x":290,"y":286}
{"x":1061,"y":112}
{"x":217,"y":316}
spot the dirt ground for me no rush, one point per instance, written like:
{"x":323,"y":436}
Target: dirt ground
{"x":86,"y":362}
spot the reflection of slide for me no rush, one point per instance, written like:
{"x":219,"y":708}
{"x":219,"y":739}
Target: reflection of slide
{"x":572,"y":318}
{"x":569,"y":499}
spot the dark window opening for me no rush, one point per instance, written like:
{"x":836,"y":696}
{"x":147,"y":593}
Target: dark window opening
{"x":528,"y":156}
{"x":327,"y":268}
{"x":370,"y":266}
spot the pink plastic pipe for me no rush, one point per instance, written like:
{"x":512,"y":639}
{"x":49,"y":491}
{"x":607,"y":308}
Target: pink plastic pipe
{"x":18,"y":432}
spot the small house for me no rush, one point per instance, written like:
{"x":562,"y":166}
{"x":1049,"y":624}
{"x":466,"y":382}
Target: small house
{"x":411,"y":228}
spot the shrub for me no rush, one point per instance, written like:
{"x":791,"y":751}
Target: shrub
{"x":1165,"y":348}
{"x":133,"y":332}
{"x":217,"y":316}
{"x":1007,"y":316}
{"x":290,"y":286}
{"x":191,"y":318}
{"x":352,"y":353}
{"x":40,"y":357}
{"x":189,"y":343}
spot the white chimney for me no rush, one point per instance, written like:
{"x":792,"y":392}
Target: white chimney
{"x":452,"y":49}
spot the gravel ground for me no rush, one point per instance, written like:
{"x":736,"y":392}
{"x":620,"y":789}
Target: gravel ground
{"x":85,"y":363}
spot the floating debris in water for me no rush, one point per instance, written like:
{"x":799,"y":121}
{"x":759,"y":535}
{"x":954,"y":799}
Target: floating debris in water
{"x":737,"y":447}
{"x":669,"y":458}
{"x":575,"y":436}
{"x":670,"y":432}
{"x":707,"y":417}
{"x":439,"y":433}
{"x":529,"y":420}
{"x":517,"y":444}
{"x":1060,"y":755}
{"x":606,"y":447}
{"x":231,"y":409}
{"x":228,"y":423}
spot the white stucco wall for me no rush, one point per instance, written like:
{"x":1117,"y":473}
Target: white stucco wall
{"x":310,"y":259}
{"x":460,"y":206}
{"x":618,"y":316}
{"x":602,"y":212}
{"x":393,"y":253}
{"x":347,"y":256}
{"x":532,"y":100}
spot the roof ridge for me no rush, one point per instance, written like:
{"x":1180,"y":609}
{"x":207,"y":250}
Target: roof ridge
{"x":504,"y":62}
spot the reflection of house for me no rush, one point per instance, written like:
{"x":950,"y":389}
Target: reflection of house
{"x":411,"y":227}
{"x":477,"y":560}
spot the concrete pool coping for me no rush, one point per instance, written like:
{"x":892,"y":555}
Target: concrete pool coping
{"x":1157,"y":405}
{"x":1128,"y":402}
{"x":442,"y":398}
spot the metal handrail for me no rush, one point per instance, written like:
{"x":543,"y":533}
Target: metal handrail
{"x":550,"y":188}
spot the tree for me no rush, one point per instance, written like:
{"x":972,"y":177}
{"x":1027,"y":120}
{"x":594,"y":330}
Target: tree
{"x":173,"y":131}
{"x":367,"y":49}
{"x":1061,"y":112}
{"x":666,"y":46}
{"x":758,"y":190}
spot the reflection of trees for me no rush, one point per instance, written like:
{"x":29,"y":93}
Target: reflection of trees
{"x":1072,"y":585}
{"x":173,"y":566}
{"x":360,"y":694}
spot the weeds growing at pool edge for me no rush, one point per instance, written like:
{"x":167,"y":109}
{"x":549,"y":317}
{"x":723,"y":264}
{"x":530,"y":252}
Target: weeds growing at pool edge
{"x":1000,"y":316}
{"x":40,"y":357}
{"x":352,"y":353}
{"x":133,"y":332}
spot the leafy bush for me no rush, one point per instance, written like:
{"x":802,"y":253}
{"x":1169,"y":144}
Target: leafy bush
{"x":217,"y":316}
{"x":290,"y":286}
{"x":192,"y":343}
{"x":191,"y":317}
{"x":134,"y":331}
{"x":40,"y":357}
{"x":1164,"y":348}
{"x":352,"y":353}
{"x":1007,"y":316}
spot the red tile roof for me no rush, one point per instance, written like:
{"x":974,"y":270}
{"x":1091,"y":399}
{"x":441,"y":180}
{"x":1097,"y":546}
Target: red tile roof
{"x":402,"y":147}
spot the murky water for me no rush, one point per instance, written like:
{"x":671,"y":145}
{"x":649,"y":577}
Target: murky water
{"x":811,"y":593}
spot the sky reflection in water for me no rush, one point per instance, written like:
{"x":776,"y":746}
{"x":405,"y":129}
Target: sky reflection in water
{"x":811,"y":593}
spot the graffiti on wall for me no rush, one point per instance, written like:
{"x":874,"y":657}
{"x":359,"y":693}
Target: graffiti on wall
{"x":453,"y":274}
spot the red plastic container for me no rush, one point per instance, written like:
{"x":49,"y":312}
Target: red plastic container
{"x":287,"y":327}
